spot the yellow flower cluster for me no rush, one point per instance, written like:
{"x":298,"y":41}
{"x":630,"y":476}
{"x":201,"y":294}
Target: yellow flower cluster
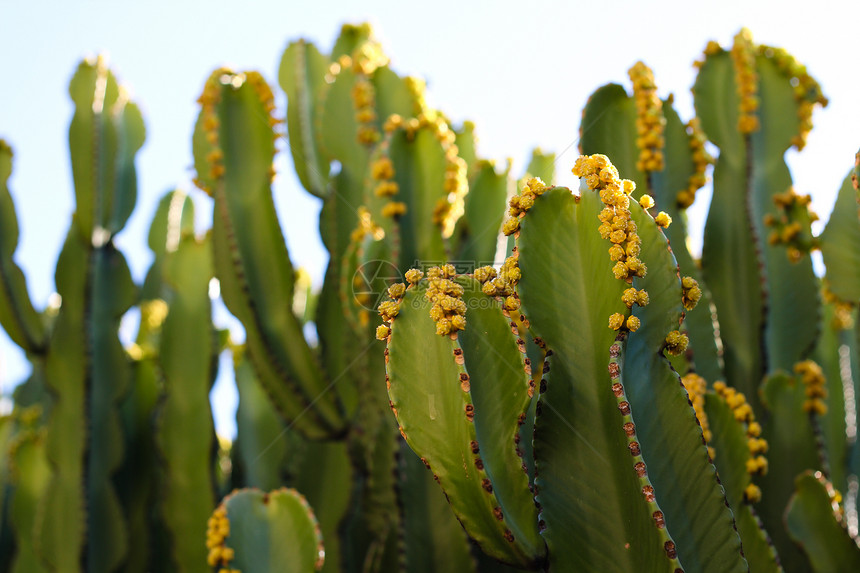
{"x":484,"y":274}
{"x":152,"y":315}
{"x":503,"y":284}
{"x":616,"y":322}
{"x":843,"y":318}
{"x":413,"y":276}
{"x":364,"y":62}
{"x":743,"y":56}
{"x":368,"y":56}
{"x":394,"y":209}
{"x":366,"y":226}
{"x":646,"y":201}
{"x":418,"y":89}
{"x":448,"y":209}
{"x":701,"y":160}
{"x":787,"y":226}
{"x":448,"y":310}
{"x":691,"y":293}
{"x":382,"y":170}
{"x":265,"y":95}
{"x":632,"y":296}
{"x":389,"y":309}
{"x":834,"y":495}
{"x":209,"y":100}
{"x":696,"y":388}
{"x":816,"y":391}
{"x":364,"y":101}
{"x":217,"y":530}
{"x":711,"y":49}
{"x":616,"y":224}
{"x":807,"y":91}
{"x":756,"y":464}
{"x":650,"y":121}
{"x":676,"y":343}
{"x":520,"y":204}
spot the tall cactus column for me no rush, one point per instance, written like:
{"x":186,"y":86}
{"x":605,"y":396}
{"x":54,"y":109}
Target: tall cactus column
{"x":233,"y":151}
{"x":81,"y":523}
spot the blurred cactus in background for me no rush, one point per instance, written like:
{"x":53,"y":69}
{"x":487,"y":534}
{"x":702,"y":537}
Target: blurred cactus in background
{"x":587,"y":393}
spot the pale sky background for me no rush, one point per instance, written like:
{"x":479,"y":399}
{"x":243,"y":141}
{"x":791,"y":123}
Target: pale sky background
{"x":521,"y":71}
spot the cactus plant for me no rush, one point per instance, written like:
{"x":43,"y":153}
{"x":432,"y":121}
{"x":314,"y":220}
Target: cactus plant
{"x":558,"y":244}
{"x":600,"y":400}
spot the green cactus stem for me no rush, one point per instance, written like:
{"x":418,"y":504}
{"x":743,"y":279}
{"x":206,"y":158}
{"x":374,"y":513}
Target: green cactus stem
{"x":302,"y":75}
{"x":188,"y":494}
{"x":233,"y":150}
{"x":87,"y":369}
{"x":666,"y":160}
{"x":255,"y":531}
{"x":17,"y":315}
{"x":839,"y":244}
{"x":768,"y":305}
{"x":106,"y":132}
{"x":814,"y":519}
{"x":440,"y":419}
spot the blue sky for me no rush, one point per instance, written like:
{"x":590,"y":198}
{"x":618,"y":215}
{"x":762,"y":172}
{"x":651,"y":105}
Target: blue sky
{"x":522,"y":72}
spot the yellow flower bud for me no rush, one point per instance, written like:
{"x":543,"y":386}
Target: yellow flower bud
{"x":663,"y":219}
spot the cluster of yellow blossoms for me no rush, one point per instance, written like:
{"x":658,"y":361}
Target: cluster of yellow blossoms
{"x":701,"y":160}
{"x":382,"y":170}
{"x":366,"y":226}
{"x":448,"y":209}
{"x":816,"y":391}
{"x":807,"y":91}
{"x":448,"y":310}
{"x":843,"y":318}
{"x":756,"y":464}
{"x":743,"y":56}
{"x":501,"y":284}
{"x":364,"y":62}
{"x":616,"y":225}
{"x":690,"y":293}
{"x":418,"y":88}
{"x":209,"y":100}
{"x":520,"y":204}
{"x":676,"y":342}
{"x":217,"y":530}
{"x":389,"y":309}
{"x":787,"y":229}
{"x":364,"y":101}
{"x":650,"y":122}
{"x":696,"y":388}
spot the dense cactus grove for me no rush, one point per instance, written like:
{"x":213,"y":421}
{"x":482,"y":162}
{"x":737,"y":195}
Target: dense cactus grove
{"x":507,"y":375}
